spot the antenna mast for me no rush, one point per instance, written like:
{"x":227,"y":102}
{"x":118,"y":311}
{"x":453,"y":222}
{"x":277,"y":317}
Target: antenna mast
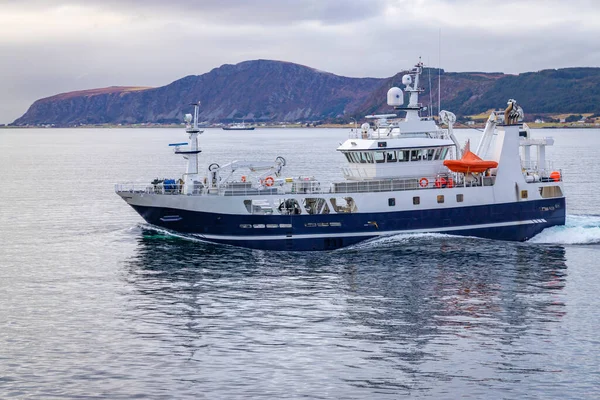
{"x":440,"y":71}
{"x":430,"y":95}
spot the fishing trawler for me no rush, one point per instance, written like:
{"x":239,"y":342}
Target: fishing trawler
{"x":402,"y":176}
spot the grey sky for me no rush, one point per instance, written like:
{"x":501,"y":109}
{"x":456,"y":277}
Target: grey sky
{"x":50,"y":47}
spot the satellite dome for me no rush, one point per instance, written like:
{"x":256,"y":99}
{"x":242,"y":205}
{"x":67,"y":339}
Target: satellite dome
{"x":406,"y":80}
{"x":395,"y":97}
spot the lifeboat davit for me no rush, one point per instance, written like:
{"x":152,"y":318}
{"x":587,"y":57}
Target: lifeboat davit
{"x":469,"y":162}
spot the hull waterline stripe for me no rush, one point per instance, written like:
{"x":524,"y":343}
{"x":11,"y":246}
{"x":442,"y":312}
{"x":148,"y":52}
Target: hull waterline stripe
{"x":374,"y":233}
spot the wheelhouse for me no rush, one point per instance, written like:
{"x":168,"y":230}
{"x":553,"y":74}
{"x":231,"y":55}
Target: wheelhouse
{"x":393,"y":158}
{"x":396,"y":155}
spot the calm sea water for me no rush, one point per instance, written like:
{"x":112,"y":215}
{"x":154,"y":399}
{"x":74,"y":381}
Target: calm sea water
{"x":96,"y":304}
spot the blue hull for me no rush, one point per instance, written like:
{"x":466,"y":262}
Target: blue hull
{"x":517,"y":221}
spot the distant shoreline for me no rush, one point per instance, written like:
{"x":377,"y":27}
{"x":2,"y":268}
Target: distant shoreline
{"x":292,"y":126}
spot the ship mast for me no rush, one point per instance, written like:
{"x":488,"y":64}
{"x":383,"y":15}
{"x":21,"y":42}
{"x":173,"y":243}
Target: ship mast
{"x":191,"y":154}
{"x":413,"y":108}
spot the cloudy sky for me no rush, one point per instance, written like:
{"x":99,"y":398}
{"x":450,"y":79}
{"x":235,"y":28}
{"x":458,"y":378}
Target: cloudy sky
{"x":55,"y":46}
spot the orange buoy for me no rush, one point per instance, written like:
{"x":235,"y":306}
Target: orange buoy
{"x":243,"y":178}
{"x":555,"y":176}
{"x":269,"y":181}
{"x":423,"y":182}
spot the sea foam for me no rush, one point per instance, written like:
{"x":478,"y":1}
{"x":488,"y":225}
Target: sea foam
{"x":579,"y":229}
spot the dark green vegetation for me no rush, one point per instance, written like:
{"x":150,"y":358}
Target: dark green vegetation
{"x":572,"y":90}
{"x":269,"y":91}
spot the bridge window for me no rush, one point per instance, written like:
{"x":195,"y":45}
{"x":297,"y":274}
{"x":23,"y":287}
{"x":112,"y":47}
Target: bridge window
{"x":390,"y":156}
{"x":379,"y":157}
{"x":443,"y":153}
{"x":424,"y":154}
{"x":403,"y":155}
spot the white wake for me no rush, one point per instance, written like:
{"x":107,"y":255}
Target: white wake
{"x":579,"y":229}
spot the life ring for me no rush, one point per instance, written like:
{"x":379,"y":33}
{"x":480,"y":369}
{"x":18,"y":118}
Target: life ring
{"x":423,"y":182}
{"x":269,"y":181}
{"x":243,"y":178}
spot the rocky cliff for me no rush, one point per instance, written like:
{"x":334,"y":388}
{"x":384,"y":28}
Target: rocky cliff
{"x":264,"y":90}
{"x":259,"y":90}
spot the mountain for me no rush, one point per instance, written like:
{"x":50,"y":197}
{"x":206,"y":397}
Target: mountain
{"x":568,"y":90}
{"x":260,"y":90}
{"x":265,"y":90}
{"x":458,"y":91}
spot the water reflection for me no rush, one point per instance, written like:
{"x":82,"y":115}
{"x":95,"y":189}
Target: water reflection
{"x":396,"y":316}
{"x":431,"y":301}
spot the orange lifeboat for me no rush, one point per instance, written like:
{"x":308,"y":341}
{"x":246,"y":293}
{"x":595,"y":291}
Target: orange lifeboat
{"x":469,"y":162}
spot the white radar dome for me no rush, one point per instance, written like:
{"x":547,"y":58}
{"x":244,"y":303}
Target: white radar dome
{"x":406,"y":80}
{"x":188,"y":117}
{"x":365,"y":127}
{"x":395,"y":97}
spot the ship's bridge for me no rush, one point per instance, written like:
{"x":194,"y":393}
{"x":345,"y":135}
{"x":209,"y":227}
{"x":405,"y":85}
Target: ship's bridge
{"x":394,"y":158}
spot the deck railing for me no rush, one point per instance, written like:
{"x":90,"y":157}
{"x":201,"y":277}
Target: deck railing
{"x":169,"y":189}
{"x":384,"y":132}
{"x":383,"y":185}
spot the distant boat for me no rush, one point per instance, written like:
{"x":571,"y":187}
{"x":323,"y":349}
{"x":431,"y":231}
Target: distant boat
{"x":238,"y":127}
